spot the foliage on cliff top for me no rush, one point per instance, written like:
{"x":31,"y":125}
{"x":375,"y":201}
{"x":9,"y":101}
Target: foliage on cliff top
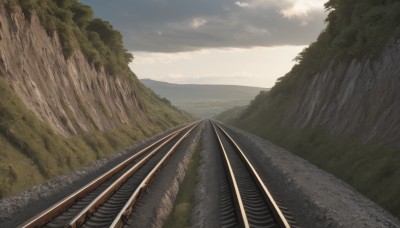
{"x":355,"y":29}
{"x":77,"y":29}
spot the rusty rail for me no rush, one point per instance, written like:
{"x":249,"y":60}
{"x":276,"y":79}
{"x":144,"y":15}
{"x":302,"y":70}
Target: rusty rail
{"x":127,"y":209}
{"x":45,"y":216}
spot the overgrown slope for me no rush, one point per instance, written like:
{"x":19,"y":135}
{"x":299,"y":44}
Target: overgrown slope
{"x":339,"y":107}
{"x":68,"y":96}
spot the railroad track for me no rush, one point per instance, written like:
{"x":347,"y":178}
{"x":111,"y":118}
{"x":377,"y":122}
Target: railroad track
{"x":108,"y":200}
{"x":245,"y":199}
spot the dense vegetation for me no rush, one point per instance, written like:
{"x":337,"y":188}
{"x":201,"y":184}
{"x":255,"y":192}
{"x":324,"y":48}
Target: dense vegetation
{"x":78,"y":30}
{"x":356,"y":29}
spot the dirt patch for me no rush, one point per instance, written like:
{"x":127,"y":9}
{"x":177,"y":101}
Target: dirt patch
{"x":155,"y":206}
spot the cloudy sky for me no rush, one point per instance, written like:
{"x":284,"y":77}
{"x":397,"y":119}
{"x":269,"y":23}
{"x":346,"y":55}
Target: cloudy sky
{"x":248,"y":42}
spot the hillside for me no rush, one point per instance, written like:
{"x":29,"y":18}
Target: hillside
{"x":339,"y":107}
{"x":68,"y":96}
{"x":203,"y":100}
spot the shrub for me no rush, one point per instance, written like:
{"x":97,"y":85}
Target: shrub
{"x":77,"y":29}
{"x":354,"y":29}
{"x":11,"y":5}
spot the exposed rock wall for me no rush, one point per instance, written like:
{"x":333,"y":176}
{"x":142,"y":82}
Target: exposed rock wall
{"x":69,"y":95}
{"x":359,"y":98}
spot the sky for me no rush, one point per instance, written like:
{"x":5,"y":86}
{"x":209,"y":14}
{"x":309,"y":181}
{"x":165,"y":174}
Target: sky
{"x":247,"y":42}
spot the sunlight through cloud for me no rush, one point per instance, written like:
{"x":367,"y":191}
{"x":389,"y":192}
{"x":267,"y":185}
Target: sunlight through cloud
{"x":302,"y":8}
{"x":198,"y":22}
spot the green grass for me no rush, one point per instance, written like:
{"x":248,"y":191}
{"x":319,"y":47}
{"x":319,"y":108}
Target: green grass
{"x":181,"y":213}
{"x":230,"y":114}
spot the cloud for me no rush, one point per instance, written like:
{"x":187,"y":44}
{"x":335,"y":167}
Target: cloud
{"x":259,"y":66}
{"x":242,"y":4}
{"x":257,"y":31}
{"x":302,"y":8}
{"x":178,"y":26}
{"x":198,"y":22}
{"x":157,"y":58}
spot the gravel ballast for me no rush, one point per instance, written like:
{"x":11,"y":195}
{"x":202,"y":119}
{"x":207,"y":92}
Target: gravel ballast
{"x":315,"y":197}
{"x":206,"y":211}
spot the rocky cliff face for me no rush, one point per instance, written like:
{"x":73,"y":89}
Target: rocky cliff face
{"x":345,"y":119}
{"x":360,"y":98}
{"x":58,"y":114}
{"x":70,"y":95}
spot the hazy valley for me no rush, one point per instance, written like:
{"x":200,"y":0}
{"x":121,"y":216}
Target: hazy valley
{"x":204,"y":101}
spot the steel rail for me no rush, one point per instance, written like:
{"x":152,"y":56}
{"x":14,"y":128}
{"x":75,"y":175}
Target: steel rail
{"x":127,"y":209}
{"x":80,"y":218}
{"x":279,"y":216}
{"x":240,"y":211}
{"x":48,"y":214}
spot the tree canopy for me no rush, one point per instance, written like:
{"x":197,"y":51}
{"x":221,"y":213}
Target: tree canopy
{"x":355,"y":29}
{"x":101,"y":44}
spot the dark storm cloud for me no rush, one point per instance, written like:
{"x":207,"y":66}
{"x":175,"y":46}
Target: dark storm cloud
{"x":186,"y":25}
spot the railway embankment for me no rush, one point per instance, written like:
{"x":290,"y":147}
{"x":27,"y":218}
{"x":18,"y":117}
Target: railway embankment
{"x":315,"y":197}
{"x":15,"y":210}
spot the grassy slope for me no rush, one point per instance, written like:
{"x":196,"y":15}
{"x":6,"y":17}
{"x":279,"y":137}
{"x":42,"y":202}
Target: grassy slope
{"x":354,"y":29}
{"x":31,"y":152}
{"x":373,"y":168}
{"x":203,"y":100}
{"x":231,"y":114}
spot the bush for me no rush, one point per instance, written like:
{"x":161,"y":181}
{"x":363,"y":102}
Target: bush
{"x":66,"y":38}
{"x":11,"y":5}
{"x":77,"y":29}
{"x":354,"y":29}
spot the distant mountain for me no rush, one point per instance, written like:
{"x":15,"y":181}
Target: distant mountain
{"x":204,"y":100}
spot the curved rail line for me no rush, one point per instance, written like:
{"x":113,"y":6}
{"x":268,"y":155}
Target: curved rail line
{"x":85,"y":201}
{"x":254,"y":204}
